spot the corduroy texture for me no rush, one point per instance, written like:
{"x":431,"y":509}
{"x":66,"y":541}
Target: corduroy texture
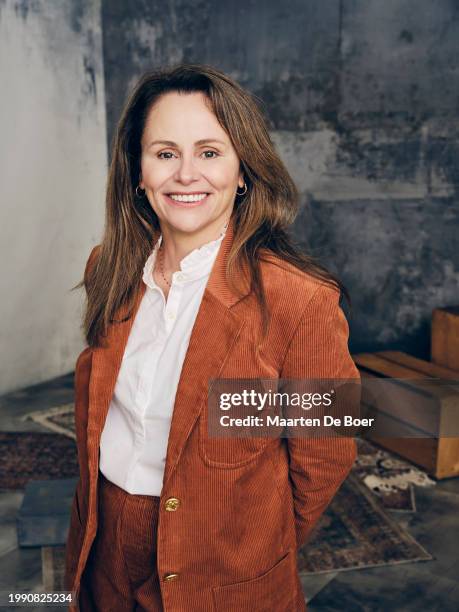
{"x":120,"y":573}
{"x":244,"y":509}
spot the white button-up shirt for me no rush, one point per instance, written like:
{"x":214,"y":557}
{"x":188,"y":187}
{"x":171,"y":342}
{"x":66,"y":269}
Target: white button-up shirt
{"x":134,"y":440}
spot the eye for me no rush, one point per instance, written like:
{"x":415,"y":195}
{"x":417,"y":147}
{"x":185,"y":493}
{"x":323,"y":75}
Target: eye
{"x":210,"y":151}
{"x":165,"y":153}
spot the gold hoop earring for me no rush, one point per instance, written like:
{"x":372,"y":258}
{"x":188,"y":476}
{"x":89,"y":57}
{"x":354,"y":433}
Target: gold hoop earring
{"x":142,"y":195}
{"x":244,"y":192}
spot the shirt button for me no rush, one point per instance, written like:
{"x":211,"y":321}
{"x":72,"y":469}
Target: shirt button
{"x":172,"y":504}
{"x":169,"y":577}
{"x":171,"y":315}
{"x":181,"y":276}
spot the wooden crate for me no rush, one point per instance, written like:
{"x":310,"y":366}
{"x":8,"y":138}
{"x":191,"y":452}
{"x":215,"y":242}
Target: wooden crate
{"x":445,"y":337}
{"x":439,"y":456}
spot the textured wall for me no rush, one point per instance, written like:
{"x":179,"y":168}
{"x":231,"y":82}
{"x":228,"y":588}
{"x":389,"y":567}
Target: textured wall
{"x":362,"y":97}
{"x":52,"y":177}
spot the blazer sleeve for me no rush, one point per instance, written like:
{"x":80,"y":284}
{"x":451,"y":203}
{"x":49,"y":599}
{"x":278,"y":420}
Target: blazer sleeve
{"x":319,"y":350}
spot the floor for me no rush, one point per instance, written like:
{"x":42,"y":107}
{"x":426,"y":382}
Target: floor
{"x":426,"y":586}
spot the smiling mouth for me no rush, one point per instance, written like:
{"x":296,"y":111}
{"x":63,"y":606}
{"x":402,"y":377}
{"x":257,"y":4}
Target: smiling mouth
{"x":187,"y":200}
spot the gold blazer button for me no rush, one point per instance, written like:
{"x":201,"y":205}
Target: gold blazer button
{"x":168,"y":577}
{"x":172,"y":504}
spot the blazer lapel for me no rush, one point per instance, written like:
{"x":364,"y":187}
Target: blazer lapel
{"x":215,"y":331}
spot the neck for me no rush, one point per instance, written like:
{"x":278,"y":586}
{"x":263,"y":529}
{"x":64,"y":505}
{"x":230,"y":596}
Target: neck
{"x":177,"y":245}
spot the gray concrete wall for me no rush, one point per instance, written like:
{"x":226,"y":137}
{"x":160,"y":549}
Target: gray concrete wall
{"x":362,"y":97}
{"x":52,"y":179}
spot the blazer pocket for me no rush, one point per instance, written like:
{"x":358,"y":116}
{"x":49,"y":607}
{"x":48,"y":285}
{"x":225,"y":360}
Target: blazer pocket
{"x":228,"y":453}
{"x":273,"y":590}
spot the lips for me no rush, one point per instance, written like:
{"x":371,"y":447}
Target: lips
{"x":186,"y":204}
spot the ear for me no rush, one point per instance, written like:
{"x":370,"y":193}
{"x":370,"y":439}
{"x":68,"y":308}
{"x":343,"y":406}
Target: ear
{"x":141,"y":185}
{"x":241,"y":180}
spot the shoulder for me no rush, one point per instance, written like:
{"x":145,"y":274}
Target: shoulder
{"x":286,"y":284}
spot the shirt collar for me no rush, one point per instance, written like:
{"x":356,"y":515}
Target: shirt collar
{"x":197,"y":264}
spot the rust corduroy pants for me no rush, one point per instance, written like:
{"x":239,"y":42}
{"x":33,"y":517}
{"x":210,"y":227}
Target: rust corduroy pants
{"x":120,"y":574}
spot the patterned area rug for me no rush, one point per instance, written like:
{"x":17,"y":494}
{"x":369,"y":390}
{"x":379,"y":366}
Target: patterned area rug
{"x":390,"y":478}
{"x":355,"y":533}
{"x":35,"y":456}
{"x":60,"y":419}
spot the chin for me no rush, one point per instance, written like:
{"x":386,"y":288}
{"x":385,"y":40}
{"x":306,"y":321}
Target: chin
{"x":190,"y":226}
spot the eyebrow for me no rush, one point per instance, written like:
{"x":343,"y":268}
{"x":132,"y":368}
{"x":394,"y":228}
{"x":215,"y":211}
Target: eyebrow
{"x":170,"y":143}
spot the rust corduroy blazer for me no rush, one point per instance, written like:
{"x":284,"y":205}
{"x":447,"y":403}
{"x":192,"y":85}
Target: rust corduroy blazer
{"x":243,"y":514}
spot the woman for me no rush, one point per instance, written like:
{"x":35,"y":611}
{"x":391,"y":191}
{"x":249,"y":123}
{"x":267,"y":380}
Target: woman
{"x":196,"y":279}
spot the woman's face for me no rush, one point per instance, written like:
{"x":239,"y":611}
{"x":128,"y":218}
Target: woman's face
{"x":186,"y":152}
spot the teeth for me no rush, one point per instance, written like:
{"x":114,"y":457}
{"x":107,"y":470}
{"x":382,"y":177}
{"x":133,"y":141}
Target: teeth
{"x":188,"y":198}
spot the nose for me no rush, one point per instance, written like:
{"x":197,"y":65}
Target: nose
{"x":186,"y":169}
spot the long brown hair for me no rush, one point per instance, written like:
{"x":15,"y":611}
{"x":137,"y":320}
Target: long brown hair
{"x":261,"y":216}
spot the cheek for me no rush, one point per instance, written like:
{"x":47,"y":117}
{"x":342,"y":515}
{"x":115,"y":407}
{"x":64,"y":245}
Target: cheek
{"x":154,"y":175}
{"x":223,"y":178}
